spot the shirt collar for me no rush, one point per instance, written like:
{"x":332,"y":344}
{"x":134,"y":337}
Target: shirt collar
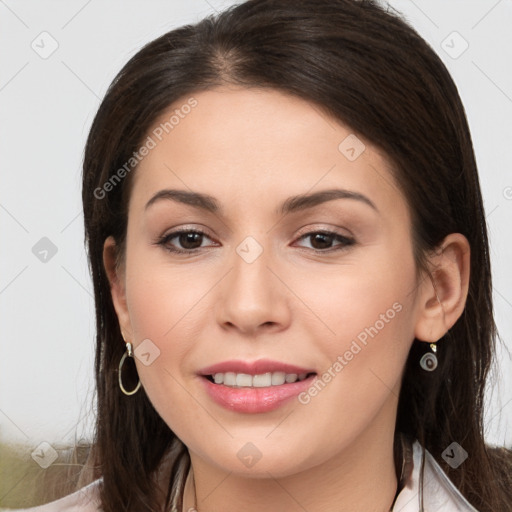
{"x":439,"y":492}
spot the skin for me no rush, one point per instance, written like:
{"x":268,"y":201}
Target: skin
{"x":251,"y":149}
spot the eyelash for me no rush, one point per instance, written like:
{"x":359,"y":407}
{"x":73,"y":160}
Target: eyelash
{"x":346,"y":241}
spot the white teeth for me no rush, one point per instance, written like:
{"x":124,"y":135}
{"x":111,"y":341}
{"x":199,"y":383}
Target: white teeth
{"x":278,"y":378}
{"x":257,"y":381}
{"x":243,"y":379}
{"x":229,"y":379}
{"x":260,"y":381}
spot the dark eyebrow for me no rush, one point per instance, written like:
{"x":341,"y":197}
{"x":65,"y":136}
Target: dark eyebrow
{"x":292,"y":204}
{"x":304,"y":201}
{"x":196,"y":199}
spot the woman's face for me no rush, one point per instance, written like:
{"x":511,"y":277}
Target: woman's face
{"x":263,"y":282}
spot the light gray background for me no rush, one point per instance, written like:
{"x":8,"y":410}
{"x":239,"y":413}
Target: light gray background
{"x":47,"y":106}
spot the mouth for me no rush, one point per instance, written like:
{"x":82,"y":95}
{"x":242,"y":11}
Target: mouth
{"x":255,"y":387}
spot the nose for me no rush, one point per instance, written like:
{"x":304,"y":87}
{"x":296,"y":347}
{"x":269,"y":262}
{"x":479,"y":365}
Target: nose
{"x":252,"y":297}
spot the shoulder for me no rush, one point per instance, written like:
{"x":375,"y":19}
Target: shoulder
{"x":439,"y":492}
{"x":84,"y":500}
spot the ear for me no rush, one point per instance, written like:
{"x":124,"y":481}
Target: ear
{"x":442,"y":298}
{"x":116,"y":276}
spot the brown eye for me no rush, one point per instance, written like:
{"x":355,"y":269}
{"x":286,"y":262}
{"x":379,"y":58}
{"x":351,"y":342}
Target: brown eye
{"x":188,"y":241}
{"x":321,"y":241}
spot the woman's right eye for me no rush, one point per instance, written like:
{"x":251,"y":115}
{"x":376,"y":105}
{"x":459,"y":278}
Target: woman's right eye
{"x":188,"y":239}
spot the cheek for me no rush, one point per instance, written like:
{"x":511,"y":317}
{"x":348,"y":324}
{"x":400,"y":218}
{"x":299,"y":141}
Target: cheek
{"x":369,"y":310}
{"x":163,"y":301}
{"x":366,"y":301}
{"x":168,"y":307}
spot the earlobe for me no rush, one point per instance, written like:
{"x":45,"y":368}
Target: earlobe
{"x":117,"y":286}
{"x":442,"y":298}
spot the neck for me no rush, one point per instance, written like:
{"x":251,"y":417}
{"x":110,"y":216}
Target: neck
{"x":362,"y":477}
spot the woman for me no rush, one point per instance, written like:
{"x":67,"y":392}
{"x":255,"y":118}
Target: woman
{"x":291,"y":272}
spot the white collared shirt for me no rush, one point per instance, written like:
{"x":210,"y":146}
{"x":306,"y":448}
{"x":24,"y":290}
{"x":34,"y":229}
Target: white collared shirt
{"x":439,"y":493}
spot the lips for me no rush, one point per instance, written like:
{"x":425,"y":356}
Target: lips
{"x":255,"y":399}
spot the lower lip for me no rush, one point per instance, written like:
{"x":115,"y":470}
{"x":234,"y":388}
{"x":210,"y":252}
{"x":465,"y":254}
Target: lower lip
{"x":255,"y":400}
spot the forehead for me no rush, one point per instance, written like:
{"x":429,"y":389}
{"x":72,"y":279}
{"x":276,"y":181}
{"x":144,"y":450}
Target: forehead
{"x":257,"y":144}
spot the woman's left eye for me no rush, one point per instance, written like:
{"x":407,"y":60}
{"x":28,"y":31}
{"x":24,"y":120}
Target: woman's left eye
{"x":326,"y":238}
{"x":191,"y":241}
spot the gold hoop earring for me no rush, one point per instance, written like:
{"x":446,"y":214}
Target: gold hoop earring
{"x":128,"y":353}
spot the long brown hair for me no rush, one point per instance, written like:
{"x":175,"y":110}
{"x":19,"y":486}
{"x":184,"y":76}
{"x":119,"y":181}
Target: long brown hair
{"x":369,"y":69}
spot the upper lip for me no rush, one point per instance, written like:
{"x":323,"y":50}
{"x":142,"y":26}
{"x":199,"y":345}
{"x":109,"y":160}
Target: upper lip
{"x":253,"y":367}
